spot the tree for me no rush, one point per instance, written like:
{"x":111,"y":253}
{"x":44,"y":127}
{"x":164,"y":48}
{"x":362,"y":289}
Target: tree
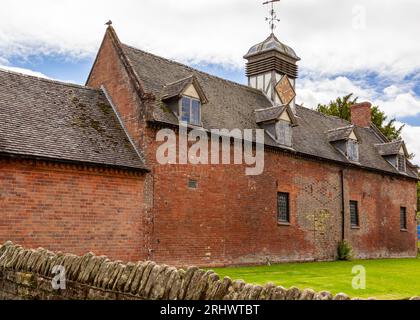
{"x":341,"y":108}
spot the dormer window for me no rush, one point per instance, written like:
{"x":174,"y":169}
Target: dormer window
{"x":284,"y":133}
{"x":190,"y":111}
{"x":346,"y":141}
{"x":395,"y":153}
{"x":278,"y":123}
{"x":185,"y":98}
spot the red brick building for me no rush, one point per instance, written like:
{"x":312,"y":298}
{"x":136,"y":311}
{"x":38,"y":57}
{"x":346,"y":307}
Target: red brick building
{"x":78,"y":168}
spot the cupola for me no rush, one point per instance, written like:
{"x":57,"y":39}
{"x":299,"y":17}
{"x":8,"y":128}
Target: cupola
{"x":272,"y":68}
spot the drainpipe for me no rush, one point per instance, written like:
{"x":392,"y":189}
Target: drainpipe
{"x":343,"y":207}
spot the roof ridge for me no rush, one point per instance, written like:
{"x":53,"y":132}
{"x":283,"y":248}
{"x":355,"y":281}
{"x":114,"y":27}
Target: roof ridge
{"x":342,"y":128}
{"x":324,"y":115}
{"x":272,"y":107}
{"x":178,"y":81}
{"x":196,"y":70}
{"x":392,"y":142}
{"x":67,"y":84}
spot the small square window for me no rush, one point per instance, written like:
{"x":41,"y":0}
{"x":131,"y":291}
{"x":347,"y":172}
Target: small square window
{"x":283,"y":208}
{"x":192,"y":184}
{"x":403,"y":218}
{"x":354,"y":214}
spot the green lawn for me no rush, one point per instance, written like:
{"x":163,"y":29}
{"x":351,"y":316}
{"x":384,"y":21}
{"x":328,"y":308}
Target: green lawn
{"x":385,"y":279}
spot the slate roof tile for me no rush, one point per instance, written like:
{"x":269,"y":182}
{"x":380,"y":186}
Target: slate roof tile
{"x":54,"y":120}
{"x":231,"y":106}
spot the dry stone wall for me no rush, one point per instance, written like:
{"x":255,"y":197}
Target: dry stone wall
{"x":27,"y":274}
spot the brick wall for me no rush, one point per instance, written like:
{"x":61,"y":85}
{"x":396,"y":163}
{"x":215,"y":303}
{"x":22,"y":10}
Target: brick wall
{"x":231,"y":218}
{"x":72,"y":208}
{"x":110,"y":73}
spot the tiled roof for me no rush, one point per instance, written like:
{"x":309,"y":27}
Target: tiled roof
{"x":340,"y":133}
{"x":268,"y":114}
{"x":231,"y":105}
{"x":176,"y":88}
{"x":269,"y":44}
{"x":391,"y":148}
{"x":52,"y":120}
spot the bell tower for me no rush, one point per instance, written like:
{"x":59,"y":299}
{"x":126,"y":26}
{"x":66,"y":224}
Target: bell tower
{"x":272,"y":66}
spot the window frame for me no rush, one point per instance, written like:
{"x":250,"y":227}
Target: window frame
{"x":355,"y":144}
{"x":190,"y":118}
{"x":280,"y":215}
{"x":282,"y":139}
{"x":402,"y":168}
{"x":403,"y":222}
{"x":354,"y":224}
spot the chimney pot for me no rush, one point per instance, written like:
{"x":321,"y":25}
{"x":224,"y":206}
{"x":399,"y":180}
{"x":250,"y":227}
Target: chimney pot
{"x":361,"y":114}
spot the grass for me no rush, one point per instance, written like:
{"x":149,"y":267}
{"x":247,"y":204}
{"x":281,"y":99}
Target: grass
{"x":385,"y":279}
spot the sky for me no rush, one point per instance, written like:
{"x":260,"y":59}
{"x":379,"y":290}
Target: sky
{"x":367,"y":47}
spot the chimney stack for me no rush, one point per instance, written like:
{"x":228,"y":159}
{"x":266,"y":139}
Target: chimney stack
{"x":361,"y":114}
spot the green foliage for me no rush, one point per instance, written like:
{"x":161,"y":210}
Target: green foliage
{"x":341,"y":108}
{"x":345,"y":251}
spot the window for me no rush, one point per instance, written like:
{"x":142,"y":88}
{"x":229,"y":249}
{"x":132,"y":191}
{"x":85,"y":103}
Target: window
{"x":191,"y":111}
{"x":354,"y":214}
{"x":283,"y":213}
{"x":284,"y":133}
{"x":401,"y":163}
{"x":353,"y":150}
{"x":403,"y":218}
{"x":192,"y":184}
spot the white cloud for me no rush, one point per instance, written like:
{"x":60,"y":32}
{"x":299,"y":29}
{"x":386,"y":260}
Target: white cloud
{"x":401,"y":105}
{"x":411,"y":135}
{"x":330,"y":36}
{"x":312,"y":91}
{"x":25,"y":71}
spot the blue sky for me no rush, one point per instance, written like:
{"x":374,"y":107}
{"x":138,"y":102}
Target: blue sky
{"x":345,"y":47}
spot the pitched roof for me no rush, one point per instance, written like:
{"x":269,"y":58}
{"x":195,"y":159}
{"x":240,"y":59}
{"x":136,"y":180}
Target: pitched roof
{"x":52,"y":120}
{"x":177,"y":88}
{"x":391,"y":148}
{"x":270,"y":44}
{"x":340,"y":133}
{"x":273,"y":113}
{"x":233,"y":106}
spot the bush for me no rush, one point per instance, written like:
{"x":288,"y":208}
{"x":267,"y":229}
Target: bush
{"x":345,"y":251}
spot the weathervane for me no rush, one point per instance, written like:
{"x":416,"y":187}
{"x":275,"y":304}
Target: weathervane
{"x":273,"y":16}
